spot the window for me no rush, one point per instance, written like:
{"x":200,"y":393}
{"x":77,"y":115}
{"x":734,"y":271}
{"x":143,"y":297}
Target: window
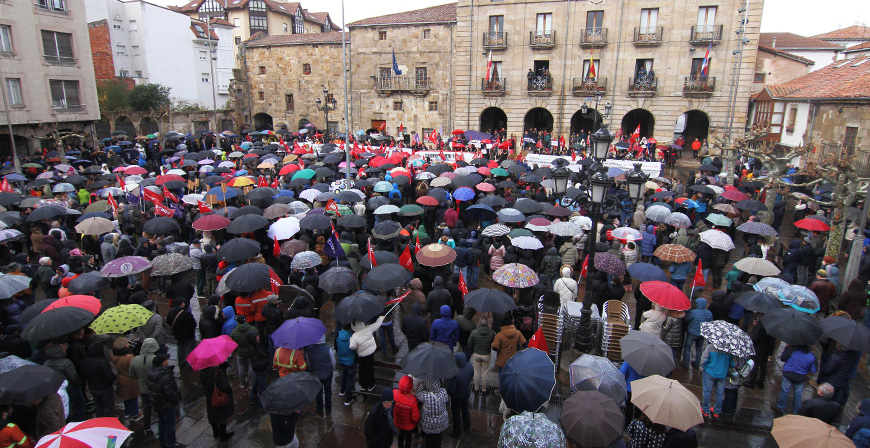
{"x":237,"y":21}
{"x":57,"y":47}
{"x":594,"y":19}
{"x":284,"y":27}
{"x":257,"y":5}
{"x":433,"y":106}
{"x":698,"y":69}
{"x":261,"y":96}
{"x":259,"y":23}
{"x":201,"y":124}
{"x":134,"y":50}
{"x":420,"y":74}
{"x":138,"y":73}
{"x":382,"y":35}
{"x":545,"y":23}
{"x":706,"y":19}
{"x":118,"y":25}
{"x":427,"y":34}
{"x":850,"y":138}
{"x":52,"y":5}
{"x":212,"y":8}
{"x":496,"y":70}
{"x":132,"y":26}
{"x":121,"y":49}
{"x":648,"y":19}
{"x":306,"y":69}
{"x":5,"y":39}
{"x":288,"y":102}
{"x":298,"y":22}
{"x":123,"y":73}
{"x":205,"y":78}
{"x":642,"y":69}
{"x":238,"y":40}
{"x":496,"y":24}
{"x":759,"y":77}
{"x":384,"y":72}
{"x":262,"y":70}
{"x":791,"y":120}
{"x":64,"y":94}
{"x":330,"y":98}
{"x":591,"y":75}
{"x":332,"y":127}
{"x":203,"y":55}
{"x":13,"y":91}
{"x":397,"y":105}
{"x":425,"y":133}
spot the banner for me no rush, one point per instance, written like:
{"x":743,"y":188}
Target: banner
{"x":449,"y":156}
{"x":653,"y":169}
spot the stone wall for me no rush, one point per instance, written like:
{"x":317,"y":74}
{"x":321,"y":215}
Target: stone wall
{"x":778,"y":69}
{"x":829,"y":126}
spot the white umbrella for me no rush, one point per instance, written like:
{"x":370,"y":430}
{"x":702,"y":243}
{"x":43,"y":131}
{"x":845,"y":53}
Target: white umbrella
{"x":386,"y":209}
{"x":536,"y":228}
{"x":299,"y":208}
{"x":717,"y":239}
{"x":584,"y":222}
{"x":527,"y":242}
{"x":565,"y":229}
{"x":658,"y":213}
{"x":227,"y":164}
{"x":757,"y":266}
{"x":284,"y":228}
{"x":177,"y":171}
{"x":626,"y":233}
{"x":206,"y":168}
{"x":310,"y":194}
{"x":496,"y":230}
{"x":192,"y":199}
{"x":425,"y":175}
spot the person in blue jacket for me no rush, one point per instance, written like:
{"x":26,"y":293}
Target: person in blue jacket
{"x":862,"y":421}
{"x":714,"y":367}
{"x":347,"y":360}
{"x":445,"y":329}
{"x":648,"y":244}
{"x":230,"y":322}
{"x":693,"y":320}
{"x":799,"y":361}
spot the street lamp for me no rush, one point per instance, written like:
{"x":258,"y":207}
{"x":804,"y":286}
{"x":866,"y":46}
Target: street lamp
{"x":560,"y":175}
{"x":601,"y":141}
{"x":636,"y":180}
{"x":326,"y":106}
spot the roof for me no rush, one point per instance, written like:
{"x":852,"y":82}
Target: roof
{"x":440,"y":13}
{"x":220,"y":21}
{"x":288,"y":9}
{"x":791,"y":41}
{"x":321,"y":17}
{"x":199,"y":30}
{"x":860,"y":47}
{"x":846,"y":79}
{"x":785,"y":54}
{"x":854,"y":32}
{"x":259,"y":40}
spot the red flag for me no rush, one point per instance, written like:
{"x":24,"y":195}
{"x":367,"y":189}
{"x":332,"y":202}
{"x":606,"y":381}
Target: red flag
{"x":372,"y":254}
{"x":585,"y":267}
{"x":275,"y":183}
{"x":401,"y":127}
{"x":573,"y":155}
{"x":120,"y":181}
{"x":276,"y":248}
{"x":203,"y":208}
{"x":417,"y":246}
{"x":4,"y":185}
{"x":169,"y":194}
{"x":699,"y":276}
{"x":331,"y":206}
{"x":441,"y":154}
{"x":152,"y":196}
{"x":162,"y":210}
{"x":539,"y":144}
{"x":462,"y":285}
{"x":275,"y":281}
{"x":398,"y":299}
{"x":562,"y":141}
{"x":405,"y":259}
{"x":383,"y":126}
{"x":262,"y":182}
{"x":635,"y":135}
{"x":538,"y":341}
{"x":112,"y":203}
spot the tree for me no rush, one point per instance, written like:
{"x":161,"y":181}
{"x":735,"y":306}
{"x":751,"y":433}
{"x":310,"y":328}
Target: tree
{"x":149,"y":97}
{"x":113,"y":94}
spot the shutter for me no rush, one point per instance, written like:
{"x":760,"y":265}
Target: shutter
{"x":64,"y":45}
{"x":71,"y":88}
{"x":57,"y":98}
{"x":49,"y":47}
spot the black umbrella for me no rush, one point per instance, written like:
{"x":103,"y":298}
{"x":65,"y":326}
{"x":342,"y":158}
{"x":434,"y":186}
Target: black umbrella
{"x":36,"y":183}
{"x":160,"y":225}
{"x":11,"y":218}
{"x":348,"y":196}
{"x":249,"y":277}
{"x":238,"y":249}
{"x":376,"y":202}
{"x":493,"y":201}
{"x":506,"y":184}
{"x":290,"y":393}
{"x":359,"y":306}
{"x":26,"y":384}
{"x":46,"y":212}
{"x":247,"y":223}
{"x":516,"y":169}
{"x":430,"y":361}
{"x":528,"y":206}
{"x":386,"y":277}
{"x":792,"y":326}
{"x":323,"y":173}
{"x":531,"y":178}
{"x":466,"y":181}
{"x":260,"y":194}
{"x":352,"y":221}
{"x":647,"y":353}
{"x":702,"y":189}
{"x":849,"y":333}
{"x":663,"y":194}
{"x":88,"y":282}
{"x":7,"y":199}
{"x":56,"y":322}
{"x":488,"y":300}
{"x":338,"y":280}
{"x":381,"y":257}
{"x":33,"y":310}
{"x":333,"y":159}
{"x":751,"y":205}
{"x":709,"y":167}
{"x":760,"y":302}
{"x":315,"y":222}
{"x":386,"y":230}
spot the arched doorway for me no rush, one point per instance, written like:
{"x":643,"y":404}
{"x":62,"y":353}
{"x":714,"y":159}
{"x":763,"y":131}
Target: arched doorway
{"x":492,"y":119}
{"x":22,"y":145}
{"x":262,"y":122}
{"x":538,"y":118}
{"x":585,"y":123}
{"x":227,"y":125}
{"x":103,"y":128}
{"x":147,"y":126}
{"x":636,"y":117}
{"x":123,"y":123}
{"x":691,"y":125}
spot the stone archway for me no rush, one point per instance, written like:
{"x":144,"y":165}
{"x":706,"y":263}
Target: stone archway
{"x":586,"y":123}
{"x":635,"y":117}
{"x":262,"y":122}
{"x":123,"y":123}
{"x":492,"y":119}
{"x":691,"y":125}
{"x":148,"y":125}
{"x":103,"y":128}
{"x":539,"y":119}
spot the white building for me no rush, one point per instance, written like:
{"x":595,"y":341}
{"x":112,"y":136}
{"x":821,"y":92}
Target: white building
{"x":153,"y":44}
{"x":819,"y":51}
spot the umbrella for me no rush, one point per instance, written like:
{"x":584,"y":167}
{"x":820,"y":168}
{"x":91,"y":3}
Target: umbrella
{"x":315,"y":222}
{"x":760,"y":302}
{"x":9,"y":234}
{"x":849,"y":333}
{"x":89,"y":303}
{"x":805,"y":300}
{"x":299,"y":332}
{"x":386,"y":277}
{"x":124,"y":266}
{"x":515,"y":275}
{"x":290,"y":393}
{"x":33,"y":310}
{"x":643,"y":272}
{"x":597,"y":373}
{"x":493,"y":201}
{"x":658,"y":213}
{"x":386,"y":209}
{"x":527,"y":242}
{"x":591,"y":418}
{"x":481,"y":212}
{"x":160,"y":225}
{"x":359,"y":306}
{"x":211,"y":223}
{"x":26,"y":384}
{"x":734,"y":195}
{"x":411,"y":210}
{"x":285,"y":228}
{"x":433,"y":255}
{"x":121,"y":319}
{"x":530,"y":430}
{"x":510,"y":215}
{"x":430,"y":361}
{"x":276,"y":211}
{"x":249,"y":277}
{"x":727,"y":337}
{"x":56,"y":322}
{"x":791,"y":326}
{"x":487,"y":300}
{"x":13,"y":284}
{"x":88,"y":282}
{"x":381,"y":257}
{"x":797,"y":431}
{"x":516,"y":233}
{"x":647,"y":353}
{"x":751,"y":205}
{"x":626,"y":234}
{"x":609,"y":263}
{"x":496,"y":230}
{"x":386,"y":230}
{"x":727,"y":208}
{"x":337,"y":280}
{"x":247,"y":224}
{"x":778,"y":288}
{"x":666,"y":402}
{"x":718,"y":219}
{"x":757,"y":228}
{"x":584,"y":222}
{"x":813,"y":225}
{"x":757,"y":266}
{"x":46,"y":212}
{"x":95,"y":226}
{"x":237,"y":249}
{"x":527,"y":380}
{"x":171,"y":263}
{"x":567,"y":229}
{"x":717,"y":239}
{"x":292,"y":247}
{"x":352,"y":221}
{"x":306,"y":259}
{"x":665,"y":294}
{"x":211,"y":352}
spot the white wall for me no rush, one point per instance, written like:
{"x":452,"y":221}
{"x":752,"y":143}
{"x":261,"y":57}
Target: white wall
{"x":820,"y":57}
{"x":801,"y":124}
{"x":168,"y":50}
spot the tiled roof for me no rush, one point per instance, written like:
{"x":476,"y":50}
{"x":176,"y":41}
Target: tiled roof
{"x":296,"y":39}
{"x":791,"y":41}
{"x":860,"y":47}
{"x":322,"y":16}
{"x":220,"y":21}
{"x":441,"y":13}
{"x":786,"y":54}
{"x":198,"y":28}
{"x":846,"y":79}
{"x":854,"y":32}
{"x":288,"y":9}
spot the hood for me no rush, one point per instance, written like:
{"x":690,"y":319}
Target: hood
{"x":508,"y":330}
{"x":434,"y":385}
{"x":438,"y":282}
{"x":700,"y":303}
{"x":415,"y":309}
{"x":864,"y":407}
{"x":834,"y":271}
{"x":416,"y":284}
{"x":229,"y":314}
{"x":357,"y":326}
{"x":149,"y":346}
{"x":856,"y":285}
{"x":650,"y":229}
{"x":124,"y":243}
{"x":55,"y":352}
{"x":406,"y":384}
{"x":640,"y":207}
{"x":794,"y":244}
{"x":719,"y":296}
{"x":252,"y":338}
{"x":462,"y":243}
{"x":553,"y":251}
{"x":460,"y":359}
{"x":446,"y":313}
{"x":95,"y":350}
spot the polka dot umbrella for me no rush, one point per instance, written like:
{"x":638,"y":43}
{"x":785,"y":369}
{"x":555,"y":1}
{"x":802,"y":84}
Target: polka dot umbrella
{"x":121,"y":319}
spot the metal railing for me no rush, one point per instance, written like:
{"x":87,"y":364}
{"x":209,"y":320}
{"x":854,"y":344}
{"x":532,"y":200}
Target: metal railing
{"x":51,"y":8}
{"x":68,"y":108}
{"x":706,"y":33}
{"x":542,"y":38}
{"x":540,"y":83}
{"x":494,"y":85}
{"x":495,"y":39}
{"x":699,"y":85}
{"x":402,"y":83}
{"x":593,"y":37}
{"x":642,"y":84}
{"x":60,"y":60}
{"x":648,"y":35}
{"x":588,"y":85}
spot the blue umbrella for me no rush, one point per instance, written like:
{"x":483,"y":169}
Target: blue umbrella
{"x":527,"y":380}
{"x":643,"y":272}
{"x":125,"y":142}
{"x":114,"y":148}
{"x":481,"y":212}
{"x":614,"y":171}
{"x":464,"y":194}
{"x":14,"y":177}
{"x":298,"y":333}
{"x":217,"y":192}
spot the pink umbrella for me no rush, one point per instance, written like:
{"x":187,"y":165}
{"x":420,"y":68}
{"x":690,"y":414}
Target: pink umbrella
{"x":104,"y":431}
{"x":483,"y":186}
{"x":211,"y":352}
{"x":135,"y":169}
{"x":119,"y":169}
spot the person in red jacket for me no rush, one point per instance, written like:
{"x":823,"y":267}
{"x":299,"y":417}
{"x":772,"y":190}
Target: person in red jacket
{"x":244,"y":307}
{"x":406,"y":412}
{"x":259,"y":300}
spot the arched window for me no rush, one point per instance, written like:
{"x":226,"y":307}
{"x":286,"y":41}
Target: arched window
{"x":211,"y":9}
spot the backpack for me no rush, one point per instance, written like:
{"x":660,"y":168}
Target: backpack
{"x":527,"y":325}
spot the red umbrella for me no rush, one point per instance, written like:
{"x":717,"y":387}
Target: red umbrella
{"x":458,"y":132}
{"x":89,"y":303}
{"x":486,"y":141}
{"x":484,"y":170}
{"x":491,"y":165}
{"x":734,"y":195}
{"x":427,"y":200}
{"x":135,"y":169}
{"x":378,"y":161}
{"x":211,"y":223}
{"x":300,"y":150}
{"x":287,"y":169}
{"x":485,"y":187}
{"x":652,"y":140}
{"x":167,"y":178}
{"x":813,"y":225}
{"x":94,"y":432}
{"x":730,"y":188}
{"x":665,"y":294}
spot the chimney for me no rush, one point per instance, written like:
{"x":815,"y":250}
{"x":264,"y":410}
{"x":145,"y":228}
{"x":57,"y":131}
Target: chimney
{"x":773,"y":42}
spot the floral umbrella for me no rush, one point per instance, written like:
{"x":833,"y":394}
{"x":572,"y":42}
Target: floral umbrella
{"x":515,"y":275}
{"x":565,"y":229}
{"x":305,"y":260}
{"x":609,"y":263}
{"x":531,"y":430}
{"x":727,"y":337}
{"x":717,"y":239}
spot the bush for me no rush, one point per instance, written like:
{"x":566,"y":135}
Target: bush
{"x":149,"y":97}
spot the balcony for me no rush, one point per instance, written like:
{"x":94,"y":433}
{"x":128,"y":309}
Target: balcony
{"x":493,"y":87}
{"x":704,"y":34}
{"x":56,"y":8}
{"x":389,"y":84}
{"x":648,"y":36}
{"x":64,"y":108}
{"x":642,"y":87}
{"x":699,"y":87}
{"x":63,"y":61}
{"x":593,"y":37}
{"x":540,"y":85}
{"x":588,"y":86}
{"x":495,"y":40}
{"x":542,"y":39}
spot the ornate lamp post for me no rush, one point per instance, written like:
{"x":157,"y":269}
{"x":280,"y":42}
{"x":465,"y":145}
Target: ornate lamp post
{"x":560,"y":175}
{"x":636,"y":180}
{"x":326,"y":106}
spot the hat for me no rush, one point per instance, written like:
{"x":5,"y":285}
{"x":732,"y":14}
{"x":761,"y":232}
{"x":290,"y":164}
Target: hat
{"x":828,"y":259}
{"x":387,"y":395}
{"x":158,"y":360}
{"x":196,"y":241}
{"x":241,"y":319}
{"x":822,"y":273}
{"x":272,"y":298}
{"x":21,"y":258}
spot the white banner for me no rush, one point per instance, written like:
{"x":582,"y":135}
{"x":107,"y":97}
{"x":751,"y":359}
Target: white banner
{"x":449,"y":156}
{"x":653,"y":169}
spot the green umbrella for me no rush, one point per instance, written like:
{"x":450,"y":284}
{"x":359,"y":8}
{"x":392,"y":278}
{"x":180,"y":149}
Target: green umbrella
{"x":31,"y":165}
{"x":121,"y":319}
{"x":719,"y":220}
{"x":520,"y":232}
{"x":411,"y":210}
{"x":304,"y":174}
{"x":499,"y":172}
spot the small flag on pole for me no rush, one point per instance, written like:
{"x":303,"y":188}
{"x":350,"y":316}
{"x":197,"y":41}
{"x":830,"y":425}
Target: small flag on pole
{"x":539,"y":341}
{"x":398,"y":299}
{"x":276,"y":248}
{"x":405,"y":259}
{"x":462,"y":285}
{"x":203,"y":208}
{"x":372,"y":254}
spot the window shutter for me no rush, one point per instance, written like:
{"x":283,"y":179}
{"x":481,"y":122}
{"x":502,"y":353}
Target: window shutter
{"x":64,"y":45}
{"x":49,"y":48}
{"x":57,"y":98}
{"x":71,"y":89}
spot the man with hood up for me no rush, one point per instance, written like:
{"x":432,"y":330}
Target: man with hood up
{"x":414,"y":327}
{"x":459,"y":390}
{"x":139,"y":368}
{"x":445,"y":329}
{"x":648,"y":244}
{"x":438,"y":297}
{"x":506,"y":343}
{"x":164,"y":395}
{"x":155,"y":327}
{"x":212,"y":319}
{"x":639,"y":218}
{"x":229,"y":321}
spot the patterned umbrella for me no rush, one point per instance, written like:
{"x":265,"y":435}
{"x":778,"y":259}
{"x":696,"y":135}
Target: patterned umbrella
{"x":527,"y":242}
{"x":757,"y":266}
{"x":169,"y":264}
{"x":584,"y":222}
{"x":757,"y":228}
{"x":727,"y":337}
{"x":658,"y":213}
{"x":626,"y":234}
{"x":717,"y":239}
{"x":531,"y":430}
{"x":464,"y":194}
{"x":590,"y":372}
{"x":496,"y":230}
{"x":566,"y":229}
{"x":675,"y":253}
{"x":103,"y":431}
{"x":305,"y":260}
{"x":124,"y":266}
{"x":609,"y":263}
{"x":121,"y":319}
{"x":436,"y":255}
{"x":386,"y":230}
{"x":515,"y":275}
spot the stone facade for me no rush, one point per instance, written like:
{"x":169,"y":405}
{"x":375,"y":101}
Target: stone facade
{"x":779,"y":68}
{"x":829,"y":126}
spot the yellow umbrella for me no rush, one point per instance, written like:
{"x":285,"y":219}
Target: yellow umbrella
{"x":289,"y":158}
{"x":241,"y":182}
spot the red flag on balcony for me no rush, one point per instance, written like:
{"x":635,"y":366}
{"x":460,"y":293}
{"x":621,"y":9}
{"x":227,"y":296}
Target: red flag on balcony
{"x":489,"y":67}
{"x":635,"y":135}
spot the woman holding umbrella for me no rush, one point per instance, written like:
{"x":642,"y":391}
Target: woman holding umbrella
{"x":211,"y":378}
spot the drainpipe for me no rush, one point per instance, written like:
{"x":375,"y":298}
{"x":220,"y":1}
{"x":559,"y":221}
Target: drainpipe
{"x":565,"y":71}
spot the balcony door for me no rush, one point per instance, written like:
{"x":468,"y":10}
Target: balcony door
{"x":594,"y":19}
{"x":545,"y":24}
{"x":706,"y":19}
{"x":496,"y":24}
{"x":648,"y":20}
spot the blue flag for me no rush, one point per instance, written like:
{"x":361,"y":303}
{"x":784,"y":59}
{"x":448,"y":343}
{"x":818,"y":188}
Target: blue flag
{"x":396,"y":65}
{"x":333,"y":247}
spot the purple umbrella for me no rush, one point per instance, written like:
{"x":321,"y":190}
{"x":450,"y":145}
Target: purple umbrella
{"x":464,"y":194}
{"x":300,"y":332}
{"x":124,"y":266}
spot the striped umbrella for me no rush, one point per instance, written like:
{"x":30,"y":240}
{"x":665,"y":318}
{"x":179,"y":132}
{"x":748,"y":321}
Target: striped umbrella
{"x":675,"y":253}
